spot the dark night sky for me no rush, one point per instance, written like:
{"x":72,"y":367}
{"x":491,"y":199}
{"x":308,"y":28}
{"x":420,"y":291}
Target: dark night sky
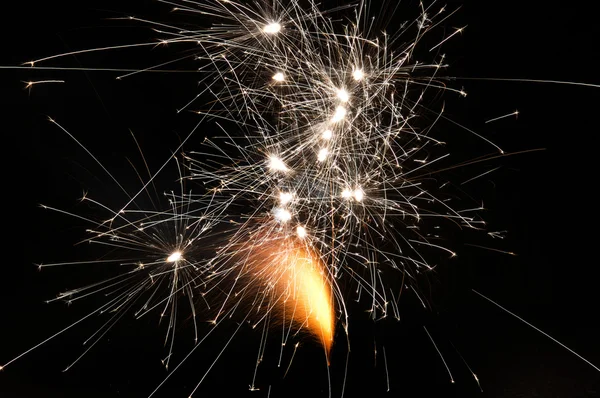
{"x":544,"y":199}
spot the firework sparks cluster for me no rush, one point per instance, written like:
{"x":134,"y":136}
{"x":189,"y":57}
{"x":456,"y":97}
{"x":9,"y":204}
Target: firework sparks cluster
{"x":313,"y":186}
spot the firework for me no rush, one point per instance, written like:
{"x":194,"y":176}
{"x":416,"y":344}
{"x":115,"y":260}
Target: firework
{"x":315,"y":184}
{"x":322,"y":140}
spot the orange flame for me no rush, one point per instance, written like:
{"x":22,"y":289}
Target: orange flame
{"x":299,"y":282}
{"x":309,"y":294}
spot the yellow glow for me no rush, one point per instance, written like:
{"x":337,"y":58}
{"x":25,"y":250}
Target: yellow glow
{"x":346,"y":193}
{"x":327,"y":134}
{"x":312,"y":299}
{"x":343,"y":95}
{"x":304,"y":288}
{"x":359,"y":194}
{"x":282,"y":215}
{"x":278,"y":77}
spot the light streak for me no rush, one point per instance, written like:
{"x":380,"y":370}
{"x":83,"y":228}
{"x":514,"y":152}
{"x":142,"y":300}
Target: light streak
{"x":322,"y":155}
{"x":537,"y":329}
{"x":339,"y":115}
{"x":276,"y":164}
{"x":285,"y":198}
{"x":301,"y":231}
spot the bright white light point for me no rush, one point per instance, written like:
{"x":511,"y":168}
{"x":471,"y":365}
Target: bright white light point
{"x":322,"y":154}
{"x":175,"y":256}
{"x":285,"y":198}
{"x":278,"y":77}
{"x":346,"y":193}
{"x":358,"y":74}
{"x":277,"y":164}
{"x":327,"y":134}
{"x":301,"y":231}
{"x":359,"y":194}
{"x":282,"y":215}
{"x":343,"y":95}
{"x":339,"y":115}
{"x":272,"y":28}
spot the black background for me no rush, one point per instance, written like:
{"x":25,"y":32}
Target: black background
{"x":546,"y":200}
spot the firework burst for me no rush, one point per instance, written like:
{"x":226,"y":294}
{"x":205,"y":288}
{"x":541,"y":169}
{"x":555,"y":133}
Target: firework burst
{"x":316,"y":180}
{"x":315,"y":188}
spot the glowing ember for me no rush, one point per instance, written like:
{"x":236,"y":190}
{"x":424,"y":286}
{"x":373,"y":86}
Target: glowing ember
{"x":276,"y":164}
{"x":358,"y":75}
{"x":301,"y":231}
{"x":327,"y":134}
{"x":310,"y":297}
{"x":343,"y":95}
{"x":339,"y":115}
{"x":282,"y":215}
{"x":175,"y":256}
{"x":359,"y":194}
{"x":272,"y":28}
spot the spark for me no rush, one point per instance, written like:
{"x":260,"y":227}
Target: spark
{"x":358,"y":75}
{"x":515,"y":113}
{"x":459,"y":30}
{"x":537,"y":329}
{"x":440,"y":354}
{"x":272,"y":28}
{"x":174,"y":257}
{"x":358,"y":195}
{"x":387,"y":374}
{"x":276,"y":164}
{"x":278,"y":77}
{"x":480,"y":175}
{"x":30,"y":84}
{"x":492,"y":249}
{"x":322,"y":155}
{"x":339,"y":115}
